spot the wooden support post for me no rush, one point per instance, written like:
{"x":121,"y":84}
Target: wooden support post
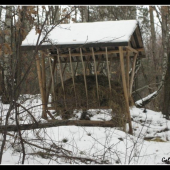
{"x":72,"y":76}
{"x":65,"y":65}
{"x":125,"y":88}
{"x":127,"y":72}
{"x":131,"y":49}
{"x":97,"y":89}
{"x":61,"y":76}
{"x":52,"y":76}
{"x":43,"y":75}
{"x":84,"y":73}
{"x":97,"y":53}
{"x":87,"y":68}
{"x":44,"y":114}
{"x":49,"y":85}
{"x":108,"y":71}
{"x":76,"y":68}
{"x":98,"y":64}
{"x":132,"y":75}
{"x":110,"y":63}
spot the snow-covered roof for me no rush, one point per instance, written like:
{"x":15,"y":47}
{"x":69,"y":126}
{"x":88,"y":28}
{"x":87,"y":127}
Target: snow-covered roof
{"x":90,"y":32}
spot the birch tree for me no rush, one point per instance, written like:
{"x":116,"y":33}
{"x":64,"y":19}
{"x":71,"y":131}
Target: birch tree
{"x":7,"y":50}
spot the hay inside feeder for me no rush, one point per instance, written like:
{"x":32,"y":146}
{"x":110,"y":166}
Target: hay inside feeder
{"x":77,"y":100}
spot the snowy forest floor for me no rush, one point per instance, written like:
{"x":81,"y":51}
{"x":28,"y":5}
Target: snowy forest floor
{"x":150,"y":143}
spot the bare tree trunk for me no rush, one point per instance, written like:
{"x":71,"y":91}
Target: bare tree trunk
{"x":7,"y":55}
{"x":0,"y":12}
{"x":154,"y":53}
{"x":153,"y":36}
{"x":166,"y":102}
{"x":84,"y":13}
{"x":56,"y":14}
{"x":165,"y":61}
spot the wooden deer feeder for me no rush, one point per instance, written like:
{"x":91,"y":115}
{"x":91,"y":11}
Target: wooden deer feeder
{"x":92,"y":42}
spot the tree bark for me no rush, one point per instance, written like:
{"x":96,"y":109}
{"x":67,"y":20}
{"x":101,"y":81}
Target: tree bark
{"x":166,"y":102}
{"x":165,"y":59}
{"x":7,"y":56}
{"x":84,"y":13}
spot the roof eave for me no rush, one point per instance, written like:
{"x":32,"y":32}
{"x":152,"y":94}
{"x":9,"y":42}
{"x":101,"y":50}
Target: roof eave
{"x":102,"y":44}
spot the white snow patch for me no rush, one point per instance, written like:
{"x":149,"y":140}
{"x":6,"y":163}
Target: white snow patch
{"x":91,"y":32}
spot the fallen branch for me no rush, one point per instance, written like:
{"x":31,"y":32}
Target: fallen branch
{"x":55,"y":123}
{"x":82,"y":159}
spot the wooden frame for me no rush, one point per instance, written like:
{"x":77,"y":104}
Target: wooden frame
{"x":125,"y":88}
{"x":72,"y":75}
{"x":61,"y":76}
{"x":97,"y":89}
{"x":132,"y":75}
{"x":84,"y":73}
{"x":127,"y":72}
{"x":100,"y":51}
{"x":124,"y":52}
{"x":108,"y":71}
{"x":43,"y":97}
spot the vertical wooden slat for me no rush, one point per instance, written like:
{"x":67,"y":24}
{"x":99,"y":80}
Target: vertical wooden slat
{"x":125,"y":88}
{"x":43,"y":75}
{"x":61,"y":78}
{"x":49,"y":84}
{"x":108,"y":71}
{"x":77,"y":63}
{"x":84,"y":73}
{"x":72,"y":75}
{"x":127,"y":72}
{"x":98,"y":64}
{"x":97,"y":89}
{"x":132,"y":75}
{"x":44,"y":114}
{"x":110,"y":62}
{"x":65,"y":65}
{"x":52,"y":76}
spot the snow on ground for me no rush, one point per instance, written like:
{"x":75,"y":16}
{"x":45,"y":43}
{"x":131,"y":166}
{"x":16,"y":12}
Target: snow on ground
{"x":149,"y":144}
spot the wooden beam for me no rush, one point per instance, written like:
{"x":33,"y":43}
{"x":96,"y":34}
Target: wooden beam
{"x":131,"y":49}
{"x":43,"y":75}
{"x":72,"y":75}
{"x":61,"y":77}
{"x":108,"y":71}
{"x":77,"y":63}
{"x":139,"y":36}
{"x":97,"y":86}
{"x":140,"y":49}
{"x":132,"y":40}
{"x":44,"y":114}
{"x":125,"y":89}
{"x":103,"y":44}
{"x":127,"y":72}
{"x":100,"y":58}
{"x":132,"y":75}
{"x":88,"y":53}
{"x":49,"y":84}
{"x":52,"y":76}
{"x":84,"y":73}
{"x":65,"y":65}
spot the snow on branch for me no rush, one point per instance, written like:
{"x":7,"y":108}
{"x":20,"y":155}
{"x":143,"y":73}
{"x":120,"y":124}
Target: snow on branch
{"x":146,"y":100}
